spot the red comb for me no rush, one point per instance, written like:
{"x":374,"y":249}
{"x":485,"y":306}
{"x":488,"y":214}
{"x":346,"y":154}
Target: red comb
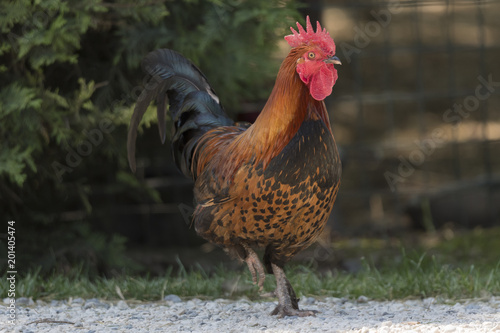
{"x":320,"y":37}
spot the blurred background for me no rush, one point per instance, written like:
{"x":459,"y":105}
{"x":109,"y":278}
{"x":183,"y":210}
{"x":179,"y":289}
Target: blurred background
{"x":415,"y":112}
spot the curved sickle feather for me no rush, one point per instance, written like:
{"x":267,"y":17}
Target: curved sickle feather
{"x":180,"y":88}
{"x":140,"y":108}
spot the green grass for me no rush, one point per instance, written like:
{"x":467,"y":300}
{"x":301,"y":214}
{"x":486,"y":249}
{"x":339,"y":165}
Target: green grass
{"x":448,"y":265}
{"x":410,"y":278}
{"x":413,"y":275}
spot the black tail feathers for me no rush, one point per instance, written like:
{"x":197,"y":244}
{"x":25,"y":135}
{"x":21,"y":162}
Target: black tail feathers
{"x":193,"y":105}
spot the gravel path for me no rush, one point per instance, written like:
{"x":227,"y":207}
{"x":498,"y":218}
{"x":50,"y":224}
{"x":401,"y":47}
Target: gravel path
{"x":176,"y":315}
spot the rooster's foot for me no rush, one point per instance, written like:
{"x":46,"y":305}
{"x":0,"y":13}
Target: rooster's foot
{"x":255,"y":267}
{"x":288,"y":303}
{"x":282,"y":311}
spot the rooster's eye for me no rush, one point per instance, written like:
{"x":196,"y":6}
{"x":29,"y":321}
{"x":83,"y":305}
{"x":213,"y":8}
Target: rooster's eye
{"x":311,"y":55}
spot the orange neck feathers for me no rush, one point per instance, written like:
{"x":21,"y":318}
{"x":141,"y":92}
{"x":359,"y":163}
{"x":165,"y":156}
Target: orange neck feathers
{"x":288,"y":106}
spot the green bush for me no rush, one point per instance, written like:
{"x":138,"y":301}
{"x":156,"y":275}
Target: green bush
{"x":70,"y":75}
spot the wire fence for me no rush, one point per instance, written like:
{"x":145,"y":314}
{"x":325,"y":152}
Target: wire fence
{"x":417,"y":112}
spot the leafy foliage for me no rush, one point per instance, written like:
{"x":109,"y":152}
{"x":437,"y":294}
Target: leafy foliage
{"x":69,"y":79}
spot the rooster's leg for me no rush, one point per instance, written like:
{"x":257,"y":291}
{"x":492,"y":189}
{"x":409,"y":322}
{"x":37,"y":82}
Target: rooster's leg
{"x":255,"y":266}
{"x":287,"y":301}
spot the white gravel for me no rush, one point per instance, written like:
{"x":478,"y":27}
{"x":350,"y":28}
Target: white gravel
{"x":176,"y":315}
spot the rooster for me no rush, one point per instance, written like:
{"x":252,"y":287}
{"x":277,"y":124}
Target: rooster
{"x":268,"y":185}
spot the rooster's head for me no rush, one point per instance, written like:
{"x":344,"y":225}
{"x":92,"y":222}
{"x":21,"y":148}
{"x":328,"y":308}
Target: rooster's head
{"x":316,"y":65}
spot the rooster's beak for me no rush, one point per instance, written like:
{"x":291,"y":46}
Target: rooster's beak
{"x":333,"y":60}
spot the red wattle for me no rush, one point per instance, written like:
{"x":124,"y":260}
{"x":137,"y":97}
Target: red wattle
{"x":322,"y":82}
